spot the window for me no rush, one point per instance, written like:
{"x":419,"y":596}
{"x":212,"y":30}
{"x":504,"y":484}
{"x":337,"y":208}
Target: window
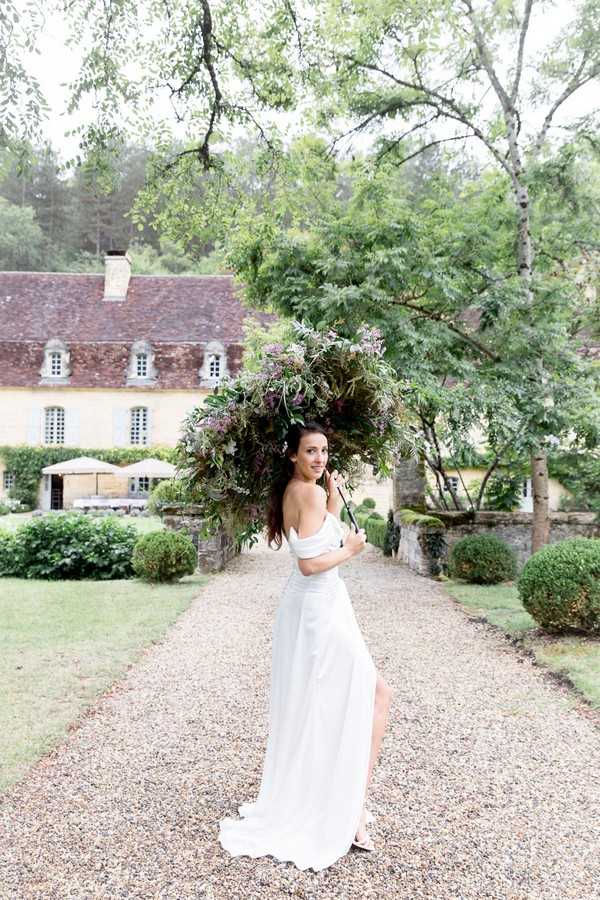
{"x":8,"y":480}
{"x":56,"y":367}
{"x":214,"y":365}
{"x":141,"y":368}
{"x":54,"y":425}
{"x":141,"y":365}
{"x":55,"y":363}
{"x":139,"y":486}
{"x":527,"y":488}
{"x":138,"y":428}
{"x":453,"y":480}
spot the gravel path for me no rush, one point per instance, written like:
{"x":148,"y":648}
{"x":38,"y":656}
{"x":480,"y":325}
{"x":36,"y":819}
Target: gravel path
{"x":488,"y":785}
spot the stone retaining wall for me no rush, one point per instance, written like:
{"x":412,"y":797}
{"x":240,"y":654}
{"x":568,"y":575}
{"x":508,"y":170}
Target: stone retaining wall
{"x":425,"y":550}
{"x":213,"y":552}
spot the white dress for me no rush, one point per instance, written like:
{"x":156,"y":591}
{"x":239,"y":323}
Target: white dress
{"x":320,"y":722}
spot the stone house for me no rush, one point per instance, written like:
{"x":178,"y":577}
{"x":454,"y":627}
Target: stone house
{"x":110,"y":360}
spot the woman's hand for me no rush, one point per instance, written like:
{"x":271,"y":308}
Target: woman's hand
{"x":332,"y":481}
{"x":355,"y":541}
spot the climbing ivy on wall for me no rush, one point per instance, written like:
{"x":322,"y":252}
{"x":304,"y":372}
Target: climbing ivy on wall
{"x":27,"y":463}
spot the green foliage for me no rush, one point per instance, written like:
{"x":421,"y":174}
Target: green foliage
{"x":21,"y":238}
{"x":482,"y":559}
{"x":376,"y":531}
{"x":391,"y":540}
{"x":412,"y":517}
{"x":73,"y":546}
{"x":164,"y":556}
{"x":169,"y":490}
{"x":8,"y":553}
{"x":579,"y":472}
{"x":560,"y":586}
{"x":27,"y":463}
{"x":503,"y":492}
{"x":232,"y":447}
{"x":368,"y":503}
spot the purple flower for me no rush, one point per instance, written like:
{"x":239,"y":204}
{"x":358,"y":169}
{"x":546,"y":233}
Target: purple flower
{"x":298,"y":399}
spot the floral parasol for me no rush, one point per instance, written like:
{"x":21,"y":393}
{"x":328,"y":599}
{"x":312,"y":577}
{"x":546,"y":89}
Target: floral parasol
{"x":232,"y":447}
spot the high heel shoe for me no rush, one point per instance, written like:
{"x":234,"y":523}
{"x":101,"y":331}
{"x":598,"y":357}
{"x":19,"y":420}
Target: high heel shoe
{"x":365,"y":844}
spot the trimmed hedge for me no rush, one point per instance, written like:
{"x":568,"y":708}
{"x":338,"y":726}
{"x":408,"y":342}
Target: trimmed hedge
{"x":376,"y":529}
{"x":72,"y":546}
{"x":560,"y":586}
{"x":482,"y":559}
{"x":8,"y":553}
{"x":164,"y":556}
{"x":368,"y":503}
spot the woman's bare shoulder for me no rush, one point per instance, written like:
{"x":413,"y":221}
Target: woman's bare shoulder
{"x":306,"y":493}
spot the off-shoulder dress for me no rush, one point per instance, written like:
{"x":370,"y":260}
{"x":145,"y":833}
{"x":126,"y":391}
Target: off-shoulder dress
{"x":321,"y":703}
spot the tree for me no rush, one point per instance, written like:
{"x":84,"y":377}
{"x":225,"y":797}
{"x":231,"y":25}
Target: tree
{"x":21,"y":238}
{"x":374,"y":252}
{"x":434,"y":63}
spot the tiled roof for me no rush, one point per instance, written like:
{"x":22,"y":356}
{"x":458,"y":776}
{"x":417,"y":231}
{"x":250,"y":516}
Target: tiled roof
{"x":178,"y":315}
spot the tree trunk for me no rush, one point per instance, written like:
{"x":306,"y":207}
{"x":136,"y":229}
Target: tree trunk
{"x":540,"y":530}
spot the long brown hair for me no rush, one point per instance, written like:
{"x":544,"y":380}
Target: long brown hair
{"x":275,"y":509}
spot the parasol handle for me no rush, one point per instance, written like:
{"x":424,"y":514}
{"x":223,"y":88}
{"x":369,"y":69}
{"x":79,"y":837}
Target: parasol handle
{"x":348,"y":510}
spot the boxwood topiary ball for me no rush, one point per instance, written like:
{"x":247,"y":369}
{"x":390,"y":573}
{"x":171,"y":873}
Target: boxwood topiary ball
{"x":560,"y":586}
{"x":164,"y":556}
{"x":482,"y":559}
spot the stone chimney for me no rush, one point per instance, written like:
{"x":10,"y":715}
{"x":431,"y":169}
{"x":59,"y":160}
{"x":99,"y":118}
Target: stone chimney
{"x":117,"y":272}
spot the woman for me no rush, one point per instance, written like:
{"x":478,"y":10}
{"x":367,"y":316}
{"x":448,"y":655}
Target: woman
{"x":328,"y":707}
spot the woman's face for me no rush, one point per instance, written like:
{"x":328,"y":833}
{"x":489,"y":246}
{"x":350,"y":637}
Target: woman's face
{"x":311,"y":457}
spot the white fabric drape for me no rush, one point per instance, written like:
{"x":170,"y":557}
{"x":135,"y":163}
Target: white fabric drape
{"x":320,"y":722}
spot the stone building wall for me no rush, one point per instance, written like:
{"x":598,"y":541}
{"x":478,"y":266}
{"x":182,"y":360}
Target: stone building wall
{"x":417,"y":543}
{"x":213,"y":552}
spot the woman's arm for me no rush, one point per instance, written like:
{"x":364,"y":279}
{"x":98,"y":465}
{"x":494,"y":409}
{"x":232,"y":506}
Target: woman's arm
{"x":334,"y":501}
{"x":353,"y":544}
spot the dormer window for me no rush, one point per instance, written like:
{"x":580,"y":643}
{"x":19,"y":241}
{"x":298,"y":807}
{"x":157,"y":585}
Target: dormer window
{"x":56,"y":367}
{"x":141,"y":365}
{"x":214,"y":367}
{"x":141,"y":368}
{"x":56,"y":364}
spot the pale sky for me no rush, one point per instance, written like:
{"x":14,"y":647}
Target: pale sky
{"x":58,"y":64}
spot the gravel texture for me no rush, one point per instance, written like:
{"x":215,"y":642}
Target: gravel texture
{"x":488,"y":785}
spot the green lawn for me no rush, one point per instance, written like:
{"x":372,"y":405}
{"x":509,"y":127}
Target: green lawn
{"x":64,"y":643}
{"x":11,"y":521}
{"x":576,"y":656}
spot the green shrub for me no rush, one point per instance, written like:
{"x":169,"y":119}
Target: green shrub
{"x":4,"y":510}
{"x":164,"y":556}
{"x":391,"y":540}
{"x":73,"y":546}
{"x":560,"y":586}
{"x":413,"y":517}
{"x":368,"y":503}
{"x":376,"y":529}
{"x":170,"y":490}
{"x":373,"y":514}
{"x":482,"y":559}
{"x":8,"y":553}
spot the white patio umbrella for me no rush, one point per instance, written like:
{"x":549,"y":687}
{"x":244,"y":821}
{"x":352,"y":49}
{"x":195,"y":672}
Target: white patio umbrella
{"x":149,"y":468}
{"x":82,"y":465}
